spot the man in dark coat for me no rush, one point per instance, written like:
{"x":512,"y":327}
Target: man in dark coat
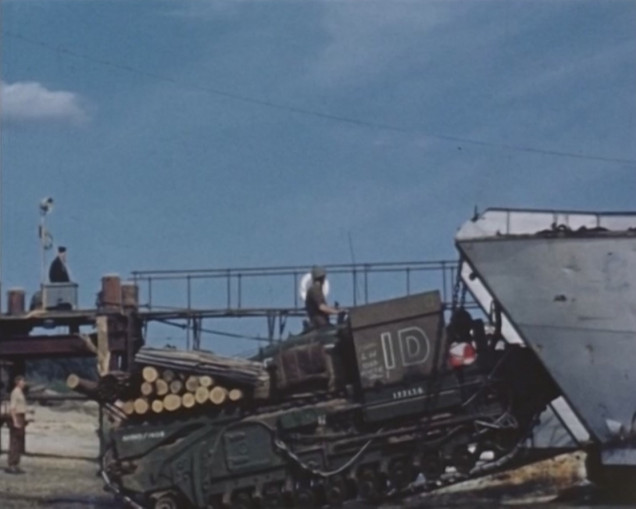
{"x":58,"y":273}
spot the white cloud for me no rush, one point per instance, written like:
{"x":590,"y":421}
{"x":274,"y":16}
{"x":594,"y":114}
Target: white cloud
{"x":31,"y":101}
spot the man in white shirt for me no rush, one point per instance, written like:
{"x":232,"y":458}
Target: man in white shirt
{"x":17,"y":410}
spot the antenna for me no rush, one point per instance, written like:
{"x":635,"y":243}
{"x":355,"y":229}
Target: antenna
{"x":353,"y":261}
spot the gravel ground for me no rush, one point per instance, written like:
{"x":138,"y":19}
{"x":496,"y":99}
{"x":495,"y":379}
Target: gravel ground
{"x":61,"y":471}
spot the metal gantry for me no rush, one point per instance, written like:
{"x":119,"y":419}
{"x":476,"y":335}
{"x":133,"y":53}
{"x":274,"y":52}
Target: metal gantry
{"x":195,"y":295}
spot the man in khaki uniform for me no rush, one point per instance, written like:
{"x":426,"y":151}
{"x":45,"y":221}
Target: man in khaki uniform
{"x":17,"y":410}
{"x":318,"y":310}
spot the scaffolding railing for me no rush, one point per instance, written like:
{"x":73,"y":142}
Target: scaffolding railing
{"x":185,"y":298}
{"x":235,"y":282}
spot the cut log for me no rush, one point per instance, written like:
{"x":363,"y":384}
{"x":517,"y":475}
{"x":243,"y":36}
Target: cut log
{"x":202,"y":395}
{"x":128,"y":407}
{"x":168,"y":375}
{"x":176,"y":386}
{"x":161,"y":387}
{"x":218,"y":395}
{"x":87,"y":387}
{"x":147,"y":388}
{"x":206,"y":381}
{"x":235,"y":395}
{"x":157,"y":406}
{"x":187,"y":400}
{"x":172,"y":402}
{"x":150,"y":374}
{"x":141,"y":406}
{"x":192,"y":382}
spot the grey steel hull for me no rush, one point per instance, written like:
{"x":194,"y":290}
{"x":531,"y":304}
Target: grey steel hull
{"x":570,"y":295}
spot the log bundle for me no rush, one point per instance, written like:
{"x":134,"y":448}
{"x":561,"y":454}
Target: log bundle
{"x":158,"y":390}
{"x":205,"y":368}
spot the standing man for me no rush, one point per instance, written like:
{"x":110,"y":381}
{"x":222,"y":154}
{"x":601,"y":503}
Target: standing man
{"x":315,"y":303}
{"x":58,"y":273}
{"x":17,"y":410}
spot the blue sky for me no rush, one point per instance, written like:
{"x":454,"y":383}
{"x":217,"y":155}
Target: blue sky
{"x":190,"y":134}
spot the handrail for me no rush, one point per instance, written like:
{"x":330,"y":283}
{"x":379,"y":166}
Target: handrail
{"x":235,"y":279}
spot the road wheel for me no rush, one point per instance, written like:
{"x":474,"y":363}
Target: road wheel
{"x":167,"y":501}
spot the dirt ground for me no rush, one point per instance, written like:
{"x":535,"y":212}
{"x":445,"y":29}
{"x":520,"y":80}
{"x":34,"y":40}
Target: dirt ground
{"x":61,"y":467}
{"x":61,"y":472}
{"x":55,"y":483}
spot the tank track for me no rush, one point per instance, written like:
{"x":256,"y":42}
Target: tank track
{"x":367,"y":473}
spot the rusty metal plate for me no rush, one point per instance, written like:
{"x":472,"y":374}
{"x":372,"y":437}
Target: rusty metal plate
{"x":397,"y":340}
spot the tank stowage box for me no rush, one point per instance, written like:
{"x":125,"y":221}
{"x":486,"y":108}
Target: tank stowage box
{"x":398,"y":340}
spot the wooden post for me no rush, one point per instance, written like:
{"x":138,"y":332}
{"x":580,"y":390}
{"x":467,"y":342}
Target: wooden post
{"x":15,"y":301}
{"x":111,"y":292}
{"x":130,"y":296}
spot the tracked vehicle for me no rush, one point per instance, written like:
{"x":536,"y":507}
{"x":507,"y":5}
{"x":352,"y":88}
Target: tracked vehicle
{"x":361,"y":409}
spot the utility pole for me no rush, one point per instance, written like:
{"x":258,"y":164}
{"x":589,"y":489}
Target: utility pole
{"x":46,"y":241}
